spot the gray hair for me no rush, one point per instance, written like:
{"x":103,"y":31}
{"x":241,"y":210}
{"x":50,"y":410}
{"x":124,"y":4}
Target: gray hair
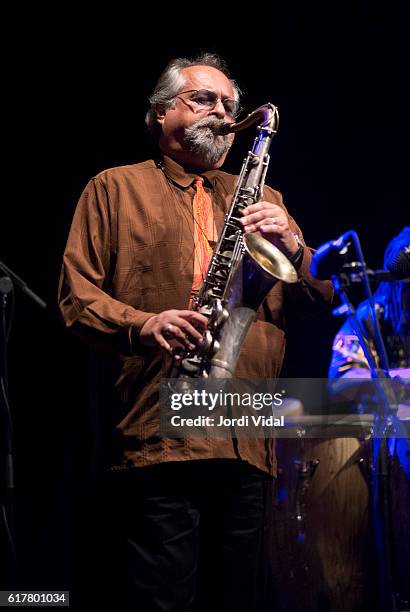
{"x":172,"y":81}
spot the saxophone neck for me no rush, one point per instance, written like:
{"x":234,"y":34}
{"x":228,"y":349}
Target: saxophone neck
{"x":267,"y":115}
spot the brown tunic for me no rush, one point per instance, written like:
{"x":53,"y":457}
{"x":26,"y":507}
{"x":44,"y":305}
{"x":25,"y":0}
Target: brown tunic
{"x":130,"y":255}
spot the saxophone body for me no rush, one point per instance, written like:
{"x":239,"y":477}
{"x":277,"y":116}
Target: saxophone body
{"x":243,"y":267}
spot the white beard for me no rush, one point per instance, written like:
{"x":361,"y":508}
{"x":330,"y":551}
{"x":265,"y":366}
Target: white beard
{"x":200,"y":139}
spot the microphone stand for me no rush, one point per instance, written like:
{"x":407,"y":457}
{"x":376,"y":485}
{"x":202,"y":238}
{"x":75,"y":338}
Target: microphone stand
{"x":7,"y":283}
{"x":381,"y":350}
{"x":384,"y":426}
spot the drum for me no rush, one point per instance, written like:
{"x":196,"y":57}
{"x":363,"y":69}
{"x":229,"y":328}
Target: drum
{"x":399,"y":515}
{"x":322,"y":532}
{"x":328,"y":519}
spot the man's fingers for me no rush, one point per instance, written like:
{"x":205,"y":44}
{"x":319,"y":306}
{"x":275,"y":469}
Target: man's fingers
{"x":261,"y":206}
{"x":266,"y":225}
{"x":257,"y":216}
{"x":271,"y":224}
{"x":189,"y":330}
{"x":182,"y":336}
{"x":263,"y":215}
{"x":178,"y":326}
{"x":194,"y":316}
{"x":163,"y":343}
{"x":176,"y":333}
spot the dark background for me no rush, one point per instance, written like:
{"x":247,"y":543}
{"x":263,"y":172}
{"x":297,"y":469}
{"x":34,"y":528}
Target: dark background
{"x":77,"y":97}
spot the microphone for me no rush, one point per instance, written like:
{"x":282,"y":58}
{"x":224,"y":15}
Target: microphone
{"x":330,"y":257}
{"x":399,"y":265}
{"x":355,"y":272}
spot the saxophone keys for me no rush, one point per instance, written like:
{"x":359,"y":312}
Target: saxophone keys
{"x":206,"y":342}
{"x":206,"y":310}
{"x":222,"y":317}
{"x":215,"y":347}
{"x":191,"y":365}
{"x":219,"y":314}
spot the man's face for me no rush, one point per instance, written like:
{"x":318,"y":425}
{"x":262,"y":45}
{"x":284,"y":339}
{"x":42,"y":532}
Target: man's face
{"x":187,"y":134}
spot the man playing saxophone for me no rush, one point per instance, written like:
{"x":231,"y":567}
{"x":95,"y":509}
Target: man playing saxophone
{"x":189,"y":512}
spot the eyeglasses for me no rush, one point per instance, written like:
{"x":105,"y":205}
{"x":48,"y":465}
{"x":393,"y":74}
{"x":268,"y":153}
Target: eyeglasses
{"x":204,"y":98}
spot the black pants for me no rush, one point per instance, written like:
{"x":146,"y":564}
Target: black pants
{"x":189,"y":537}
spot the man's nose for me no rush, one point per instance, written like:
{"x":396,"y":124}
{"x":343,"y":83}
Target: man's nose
{"x":219,"y":109}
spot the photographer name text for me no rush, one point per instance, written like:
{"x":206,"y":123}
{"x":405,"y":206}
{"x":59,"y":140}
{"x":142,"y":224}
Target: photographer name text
{"x":243,"y":421}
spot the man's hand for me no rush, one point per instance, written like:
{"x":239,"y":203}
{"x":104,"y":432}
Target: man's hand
{"x":273,"y":223}
{"x":179,"y":325}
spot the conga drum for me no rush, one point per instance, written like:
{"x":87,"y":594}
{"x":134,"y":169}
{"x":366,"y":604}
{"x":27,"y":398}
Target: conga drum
{"x":397,"y":564}
{"x":322,"y":534}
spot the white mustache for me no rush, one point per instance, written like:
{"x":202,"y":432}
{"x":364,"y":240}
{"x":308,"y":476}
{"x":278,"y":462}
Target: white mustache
{"x":217,"y":126}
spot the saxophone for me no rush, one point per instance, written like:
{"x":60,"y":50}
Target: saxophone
{"x":243,"y":267}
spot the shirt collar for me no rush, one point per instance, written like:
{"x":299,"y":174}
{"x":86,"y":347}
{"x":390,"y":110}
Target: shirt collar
{"x":184,"y":177}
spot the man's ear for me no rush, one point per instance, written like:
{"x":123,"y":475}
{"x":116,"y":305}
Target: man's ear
{"x":160,"y":112}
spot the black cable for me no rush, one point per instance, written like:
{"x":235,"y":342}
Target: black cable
{"x":7,"y":515}
{"x":12,"y":302}
{"x":10,"y":540}
{"x":6,"y":403}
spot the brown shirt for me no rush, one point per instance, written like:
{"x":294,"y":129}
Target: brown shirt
{"x":130,"y":255}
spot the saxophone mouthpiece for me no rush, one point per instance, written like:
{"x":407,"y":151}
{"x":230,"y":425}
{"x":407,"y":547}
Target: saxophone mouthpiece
{"x":223,"y":129}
